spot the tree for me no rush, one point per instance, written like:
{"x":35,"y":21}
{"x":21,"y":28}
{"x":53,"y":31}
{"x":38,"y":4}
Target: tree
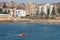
{"x":48,"y":11}
{"x":9,"y":11}
{"x":4,"y":6}
{"x":58,"y":10}
{"x":5,"y":12}
{"x":53,"y":11}
{"x":42,"y":13}
{"x":0,"y":10}
{"x":47,"y":16}
{"x":37,"y":11}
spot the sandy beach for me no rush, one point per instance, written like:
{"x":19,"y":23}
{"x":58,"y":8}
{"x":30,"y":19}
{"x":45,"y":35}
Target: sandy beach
{"x":11,"y":19}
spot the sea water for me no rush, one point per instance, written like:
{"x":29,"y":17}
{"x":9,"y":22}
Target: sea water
{"x":32,"y":31}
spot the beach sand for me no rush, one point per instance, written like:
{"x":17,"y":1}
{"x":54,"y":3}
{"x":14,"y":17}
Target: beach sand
{"x":11,"y":19}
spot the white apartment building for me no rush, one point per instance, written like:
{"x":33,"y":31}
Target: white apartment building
{"x":45,"y":7}
{"x":51,"y":8}
{"x":39,"y":13}
{"x":45,"y":10}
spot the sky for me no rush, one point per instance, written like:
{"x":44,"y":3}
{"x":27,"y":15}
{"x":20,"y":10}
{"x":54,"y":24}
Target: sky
{"x":34,"y":1}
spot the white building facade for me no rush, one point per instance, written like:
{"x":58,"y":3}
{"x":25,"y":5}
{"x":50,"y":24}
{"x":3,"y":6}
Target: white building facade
{"x":45,"y":8}
{"x":19,"y":13}
{"x":39,"y":13}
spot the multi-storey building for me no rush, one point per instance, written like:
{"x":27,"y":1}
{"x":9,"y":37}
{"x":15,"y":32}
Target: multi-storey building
{"x":46,"y":9}
{"x":31,"y":8}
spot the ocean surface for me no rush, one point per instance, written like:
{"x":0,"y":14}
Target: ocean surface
{"x":32,"y":31}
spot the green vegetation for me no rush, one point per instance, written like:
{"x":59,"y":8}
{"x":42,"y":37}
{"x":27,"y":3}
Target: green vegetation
{"x":53,"y":11}
{"x":4,"y":6}
{"x":0,"y":10}
{"x":58,"y":11}
{"x":5,"y":12}
{"x":42,"y":13}
{"x":48,"y":11}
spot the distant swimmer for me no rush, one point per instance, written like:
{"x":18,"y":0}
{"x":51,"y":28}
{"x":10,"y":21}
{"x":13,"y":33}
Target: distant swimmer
{"x":22,"y":34}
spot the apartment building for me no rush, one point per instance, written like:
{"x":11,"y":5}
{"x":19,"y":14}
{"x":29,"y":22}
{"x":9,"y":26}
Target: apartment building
{"x":46,"y":9}
{"x":31,"y":8}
